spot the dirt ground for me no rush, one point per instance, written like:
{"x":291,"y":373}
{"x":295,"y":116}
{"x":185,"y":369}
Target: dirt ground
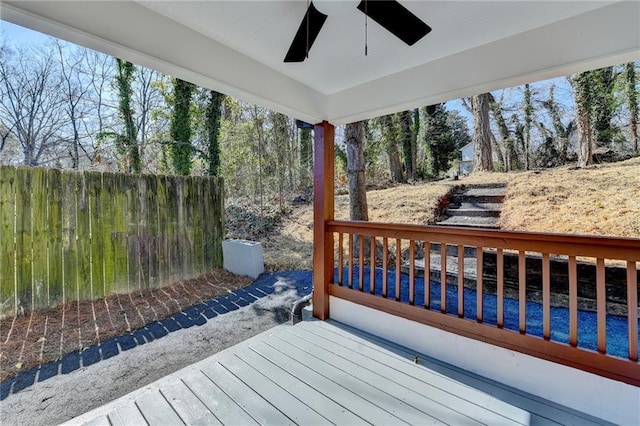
{"x":43,"y":336}
{"x":68,"y":394}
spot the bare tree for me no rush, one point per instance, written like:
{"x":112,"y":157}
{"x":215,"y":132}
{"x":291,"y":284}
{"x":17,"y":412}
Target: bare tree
{"x":30,"y":101}
{"x":483,"y":156}
{"x":76,"y":85}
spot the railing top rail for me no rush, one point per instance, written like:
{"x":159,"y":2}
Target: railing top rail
{"x":576,"y":245}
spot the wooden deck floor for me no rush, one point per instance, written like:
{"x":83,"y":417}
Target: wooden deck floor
{"x":321,"y":373}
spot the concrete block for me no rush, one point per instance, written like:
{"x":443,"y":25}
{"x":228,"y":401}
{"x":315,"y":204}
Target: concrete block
{"x":242,"y":257}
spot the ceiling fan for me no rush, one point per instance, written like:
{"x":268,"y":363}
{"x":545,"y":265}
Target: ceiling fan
{"x":390,"y":14}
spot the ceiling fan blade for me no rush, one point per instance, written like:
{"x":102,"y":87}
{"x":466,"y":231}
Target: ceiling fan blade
{"x":298,"y":49}
{"x":396,"y":18}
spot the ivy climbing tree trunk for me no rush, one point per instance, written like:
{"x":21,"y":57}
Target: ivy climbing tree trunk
{"x":632,"y":100}
{"x":483,"y":156}
{"x":213,"y":115}
{"x":180,"y":148}
{"x":127,"y":143}
{"x":510,"y":155}
{"x":408,"y":144}
{"x":354,"y":134}
{"x":528,"y":118}
{"x":601,"y":106}
{"x":581,"y":84}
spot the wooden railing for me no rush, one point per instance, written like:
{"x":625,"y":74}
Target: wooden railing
{"x":368,"y":260}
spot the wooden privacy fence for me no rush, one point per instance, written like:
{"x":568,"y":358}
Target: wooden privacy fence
{"x":357,"y":244}
{"x":68,"y":235}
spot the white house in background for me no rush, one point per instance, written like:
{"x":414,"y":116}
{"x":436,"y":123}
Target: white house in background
{"x":466,"y":163}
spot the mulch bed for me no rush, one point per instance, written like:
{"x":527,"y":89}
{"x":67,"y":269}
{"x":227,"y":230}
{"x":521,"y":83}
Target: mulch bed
{"x":42,"y":336}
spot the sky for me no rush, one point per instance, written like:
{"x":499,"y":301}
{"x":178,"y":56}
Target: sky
{"x":20,"y":36}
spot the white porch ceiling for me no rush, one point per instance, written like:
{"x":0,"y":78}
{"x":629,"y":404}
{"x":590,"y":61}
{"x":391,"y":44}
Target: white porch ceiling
{"x":237,"y":47}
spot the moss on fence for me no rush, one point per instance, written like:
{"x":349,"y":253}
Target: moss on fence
{"x":67,"y":235}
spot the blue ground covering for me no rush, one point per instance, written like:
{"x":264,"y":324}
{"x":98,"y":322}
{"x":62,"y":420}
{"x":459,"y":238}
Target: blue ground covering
{"x":617,"y":327}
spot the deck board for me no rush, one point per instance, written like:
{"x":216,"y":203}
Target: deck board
{"x":325,"y":372}
{"x":542,"y":411}
{"x":190,"y":409}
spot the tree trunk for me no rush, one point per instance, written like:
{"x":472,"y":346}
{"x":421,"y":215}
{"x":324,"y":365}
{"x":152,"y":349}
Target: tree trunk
{"x":213,"y":132}
{"x":582,"y":95}
{"x":390,"y":134}
{"x":354,"y":139}
{"x":408,"y":144}
{"x":180,"y":129}
{"x":506,"y":143}
{"x":632,"y":100}
{"x":306,"y":158}
{"x":528,"y":118}
{"x":483,"y":157}
{"x":128,"y":144}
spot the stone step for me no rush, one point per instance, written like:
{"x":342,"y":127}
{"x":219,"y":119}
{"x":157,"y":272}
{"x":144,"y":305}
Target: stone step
{"x":493,"y":195}
{"x":482,"y":192}
{"x":470,"y":221}
{"x":474,"y":209}
{"x":477,"y":198}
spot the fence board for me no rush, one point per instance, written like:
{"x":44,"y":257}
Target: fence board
{"x":24,"y":254}
{"x":97,"y":243}
{"x":68,"y":235}
{"x":83,"y":239}
{"x":217,"y":184}
{"x":107,"y":222}
{"x":171,"y":207}
{"x":188,"y":228}
{"x":55,"y":220}
{"x":69,"y":246}
{"x":150,"y":228}
{"x":164,"y":272}
{"x":208,"y":223}
{"x":121,"y":281}
{"x":133,"y":236}
{"x":7,"y":240}
{"x":39,"y":232}
{"x":198,"y":217}
{"x":182,"y":253}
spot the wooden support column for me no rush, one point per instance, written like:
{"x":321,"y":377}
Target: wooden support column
{"x":323,"y":210}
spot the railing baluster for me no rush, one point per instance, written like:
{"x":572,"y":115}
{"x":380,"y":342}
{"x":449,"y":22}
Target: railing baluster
{"x":372,"y":267}
{"x":522,"y":290}
{"x":412,"y":272}
{"x":546,"y":297}
{"x":479,"y":282}
{"x":427,"y":274}
{"x":601,"y":305}
{"x":500,"y":287}
{"x":361,"y":262}
{"x":460,"y":280}
{"x":385,"y":265}
{"x":340,"y":258}
{"x":443,"y":277}
{"x":398,"y":266}
{"x":573,"y":301}
{"x":632,"y":309}
{"x":350,"y":260}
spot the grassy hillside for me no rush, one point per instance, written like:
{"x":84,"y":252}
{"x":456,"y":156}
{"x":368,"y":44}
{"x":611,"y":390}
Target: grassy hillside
{"x":598,"y":200}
